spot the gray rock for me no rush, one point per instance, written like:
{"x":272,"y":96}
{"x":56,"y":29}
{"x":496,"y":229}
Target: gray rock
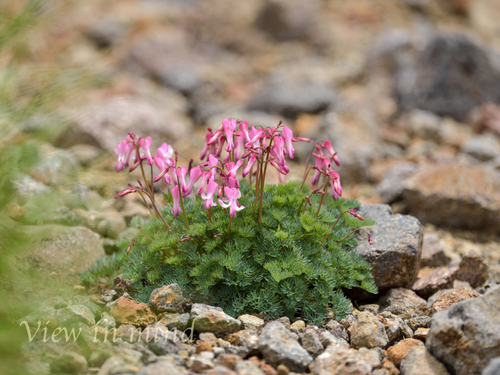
{"x":251,"y":322}
{"x":403,"y":302}
{"x":338,"y":330}
{"x":179,"y":321}
{"x":107,"y":224}
{"x":183,"y":78}
{"x":423,"y":124}
{"x":397,"y":245}
{"x":168,"y":298}
{"x":247,"y":368}
{"x":467,"y":335}
{"x":27,"y":187}
{"x":419,"y":361}
{"x":312,"y":343}
{"x":290,"y":98}
{"x":419,"y":322}
{"x":290,"y":19}
{"x":493,"y":368}
{"x":278,"y":346}
{"x":161,"y":367}
{"x":201,"y":362}
{"x":212,"y":319}
{"x":106,"y":123}
{"x":450,"y":76}
{"x":432,"y":252}
{"x":285,"y":321}
{"x":106,"y":321}
{"x":60,"y":251}
{"x":85,"y":154}
{"x":454,"y":195}
{"x":337,"y":359}
{"x":107,"y":32}
{"x":89,"y":302}
{"x":69,"y":363}
{"x":57,"y":167}
{"x":395,"y":328}
{"x":472,"y":269}
{"x":483,"y":147}
{"x":161,"y":341}
{"x":391,"y":187}
{"x":368,"y":332}
{"x":109,"y":295}
{"x":74,"y":314}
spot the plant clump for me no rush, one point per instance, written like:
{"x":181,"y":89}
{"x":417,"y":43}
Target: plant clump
{"x":286,"y":253}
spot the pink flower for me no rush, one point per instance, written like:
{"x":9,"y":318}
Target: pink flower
{"x":165,"y":152}
{"x":333,"y":155}
{"x":125,"y":192}
{"x":194,"y":176}
{"x":208,"y":149}
{"x":145,"y":144}
{"x":212,"y":188}
{"x":205,"y":177}
{"x":278,"y":151}
{"x":233,"y":168}
{"x":255,"y":136}
{"x":370,"y":240}
{"x":163,"y":170}
{"x":244,"y":130}
{"x":249,"y":166}
{"x":124,"y":150}
{"x":181,"y":177}
{"x":229,"y":127}
{"x":176,"y":208}
{"x":320,"y":163}
{"x":353,"y":212}
{"x":288,"y":137}
{"x":232,"y":195}
{"x":283,"y":169}
{"x":335,"y":187}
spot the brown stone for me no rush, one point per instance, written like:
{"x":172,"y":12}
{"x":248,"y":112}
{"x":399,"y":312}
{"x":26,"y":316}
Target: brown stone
{"x":432,"y":252}
{"x":128,"y":311}
{"x":449,"y":298}
{"x":406,"y":301}
{"x":389,"y":367}
{"x":203,"y":347}
{"x":168,"y":298}
{"x":439,"y":278}
{"x":230,"y":360}
{"x":127,"y":332}
{"x":458,"y":196}
{"x":421,"y":333}
{"x":472,"y":269}
{"x":397,"y":352}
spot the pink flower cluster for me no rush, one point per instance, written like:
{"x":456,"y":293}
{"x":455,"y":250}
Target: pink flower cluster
{"x":324,"y":167}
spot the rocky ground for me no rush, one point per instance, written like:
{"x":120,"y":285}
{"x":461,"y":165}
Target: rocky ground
{"x":408,"y":93}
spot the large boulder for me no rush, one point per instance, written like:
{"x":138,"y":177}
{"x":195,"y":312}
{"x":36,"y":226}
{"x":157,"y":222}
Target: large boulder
{"x":397,"y":245}
{"x":459,"y":196}
{"x":466,"y":337}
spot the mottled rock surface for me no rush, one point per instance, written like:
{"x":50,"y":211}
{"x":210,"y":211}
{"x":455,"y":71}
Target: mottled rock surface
{"x":128,"y":311}
{"x":337,"y":359}
{"x":436,"y":279}
{"x":467,"y":335}
{"x":432,"y":252}
{"x":397,"y":243}
{"x":368,"y":332}
{"x":397,"y":352}
{"x":168,"y":298}
{"x":419,"y":361}
{"x":403,"y":301}
{"x":212,"y":319}
{"x":457,"y":196}
{"x":450,"y":297}
{"x":278,"y":346}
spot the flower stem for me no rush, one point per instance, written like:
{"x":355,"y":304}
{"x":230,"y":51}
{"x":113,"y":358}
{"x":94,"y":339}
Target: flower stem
{"x":307,"y":162}
{"x":333,"y":226}
{"x":323,"y":196}
{"x":229,"y":229}
{"x":355,"y":230}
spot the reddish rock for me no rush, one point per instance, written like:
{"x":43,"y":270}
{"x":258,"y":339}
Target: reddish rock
{"x":437,"y":279}
{"x":389,"y":367}
{"x":128,"y":311}
{"x":127,"y":332}
{"x":397,"y":352}
{"x":449,"y":298}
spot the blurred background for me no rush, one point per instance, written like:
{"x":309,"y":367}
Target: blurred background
{"x":408,"y":91}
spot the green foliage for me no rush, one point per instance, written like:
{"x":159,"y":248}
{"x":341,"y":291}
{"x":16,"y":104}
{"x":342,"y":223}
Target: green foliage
{"x":107,"y":268}
{"x":279,"y":269}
